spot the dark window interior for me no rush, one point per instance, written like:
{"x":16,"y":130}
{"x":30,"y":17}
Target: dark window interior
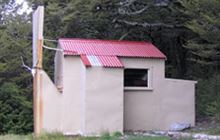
{"x":136,"y":78}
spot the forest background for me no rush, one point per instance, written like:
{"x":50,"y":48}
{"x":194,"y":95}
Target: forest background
{"x":186,"y":31}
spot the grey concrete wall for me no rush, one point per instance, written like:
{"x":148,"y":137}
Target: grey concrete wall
{"x":104,"y":100}
{"x":167,"y":102}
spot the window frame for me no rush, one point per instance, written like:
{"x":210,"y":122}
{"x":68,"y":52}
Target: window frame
{"x":149,"y":80}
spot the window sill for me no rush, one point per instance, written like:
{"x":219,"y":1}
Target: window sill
{"x":138,"y":88}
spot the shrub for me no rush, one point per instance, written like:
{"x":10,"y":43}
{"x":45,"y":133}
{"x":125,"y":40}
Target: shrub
{"x":208,"y":97}
{"x":15,"y":110}
{"x":117,"y":134}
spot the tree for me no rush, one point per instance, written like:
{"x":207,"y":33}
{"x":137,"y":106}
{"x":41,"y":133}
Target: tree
{"x":158,"y":21}
{"x":205,"y":23}
{"x":204,"y":49}
{"x":15,"y":81}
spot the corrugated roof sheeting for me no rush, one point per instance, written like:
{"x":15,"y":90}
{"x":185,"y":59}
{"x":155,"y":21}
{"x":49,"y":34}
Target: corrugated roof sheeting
{"x":110,"y":61}
{"x":85,"y":60}
{"x":110,"y":48}
{"x":105,"y":61}
{"x":105,"y":53}
{"x":94,"y":61}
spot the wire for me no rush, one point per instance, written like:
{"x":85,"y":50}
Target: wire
{"x":54,"y":49}
{"x":50,"y":40}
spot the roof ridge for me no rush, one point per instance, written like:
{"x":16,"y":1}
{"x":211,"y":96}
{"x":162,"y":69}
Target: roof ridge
{"x":104,"y":40}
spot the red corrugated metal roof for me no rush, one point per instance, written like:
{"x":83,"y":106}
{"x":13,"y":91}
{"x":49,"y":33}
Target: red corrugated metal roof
{"x":110,"y":48}
{"x":105,"y":52}
{"x":110,"y":61}
{"x":85,"y":60}
{"x":105,"y":61}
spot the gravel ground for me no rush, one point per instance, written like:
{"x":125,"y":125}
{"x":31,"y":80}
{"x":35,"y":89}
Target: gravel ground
{"x":205,"y":129}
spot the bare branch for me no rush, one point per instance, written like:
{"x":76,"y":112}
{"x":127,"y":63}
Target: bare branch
{"x":146,"y":24}
{"x":25,"y":66}
{"x":123,"y":36}
{"x":127,"y":2}
{"x":124,"y":12}
{"x":33,"y":71}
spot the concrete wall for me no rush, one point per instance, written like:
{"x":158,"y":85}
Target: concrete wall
{"x":104,"y":100}
{"x":69,"y":74}
{"x":52,"y":105}
{"x":73,"y":81}
{"x":177,"y":102}
{"x":94,"y":99}
{"x":58,"y":70}
{"x":157,"y":108}
{"x":63,"y":111}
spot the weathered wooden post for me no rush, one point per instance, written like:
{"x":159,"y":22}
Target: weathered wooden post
{"x":37,"y":45}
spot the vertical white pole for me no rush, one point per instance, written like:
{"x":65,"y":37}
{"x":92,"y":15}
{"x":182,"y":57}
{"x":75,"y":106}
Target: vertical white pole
{"x":37,"y":65}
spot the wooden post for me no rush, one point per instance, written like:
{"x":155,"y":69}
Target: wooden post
{"x":37,"y":66}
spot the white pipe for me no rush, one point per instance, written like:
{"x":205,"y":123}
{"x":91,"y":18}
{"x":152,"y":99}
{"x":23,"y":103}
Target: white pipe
{"x":54,"y":49}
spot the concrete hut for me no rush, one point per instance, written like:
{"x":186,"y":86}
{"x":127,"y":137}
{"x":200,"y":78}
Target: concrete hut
{"x":106,"y":85}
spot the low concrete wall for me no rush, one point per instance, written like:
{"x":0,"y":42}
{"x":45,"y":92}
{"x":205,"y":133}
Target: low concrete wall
{"x":177,"y":102}
{"x":63,"y":111}
{"x":52,"y":105}
{"x":173,"y":102}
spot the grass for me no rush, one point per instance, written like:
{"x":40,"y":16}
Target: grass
{"x":147,"y":138}
{"x":57,"y":136}
{"x":16,"y":137}
{"x":214,"y":131}
{"x":209,"y":131}
{"x":206,"y":125}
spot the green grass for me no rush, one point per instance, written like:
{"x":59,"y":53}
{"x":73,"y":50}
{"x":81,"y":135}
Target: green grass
{"x":209,"y":131}
{"x":147,"y":138}
{"x":57,"y":136}
{"x":16,"y":137}
{"x":214,"y":131}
